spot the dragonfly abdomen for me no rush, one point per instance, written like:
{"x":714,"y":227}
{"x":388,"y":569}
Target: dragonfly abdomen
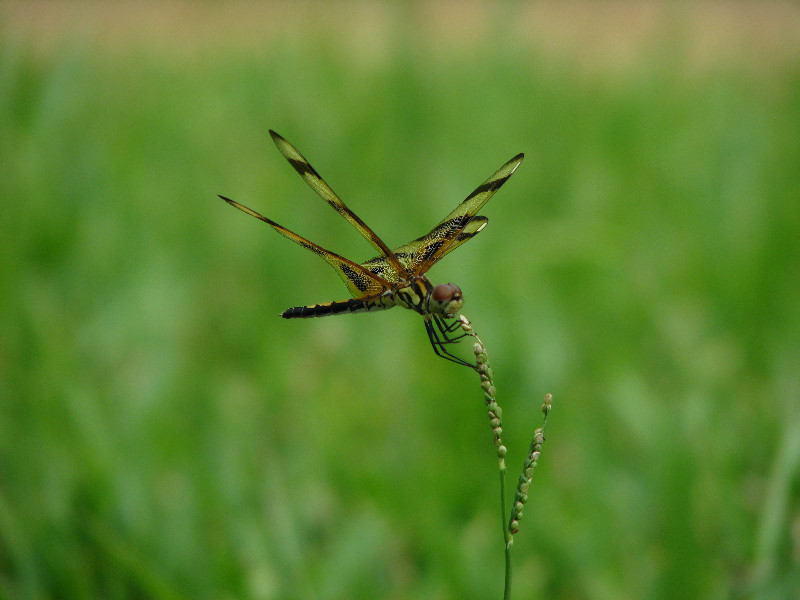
{"x":326,"y":309}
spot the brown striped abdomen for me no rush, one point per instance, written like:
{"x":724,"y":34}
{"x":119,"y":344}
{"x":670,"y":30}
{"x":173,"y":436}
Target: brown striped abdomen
{"x":341,"y":307}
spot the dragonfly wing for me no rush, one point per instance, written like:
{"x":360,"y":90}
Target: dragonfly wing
{"x":417,"y":252}
{"x":315,"y":181}
{"x":359,"y":280}
{"x":460,"y":226}
{"x":444,"y":237}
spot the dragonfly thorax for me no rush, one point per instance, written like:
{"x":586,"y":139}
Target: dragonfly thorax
{"x":423,"y":297}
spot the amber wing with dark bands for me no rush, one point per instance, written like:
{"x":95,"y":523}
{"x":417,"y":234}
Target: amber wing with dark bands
{"x":446,"y":235}
{"x":359,"y":280}
{"x":460,"y":226}
{"x":315,"y":181}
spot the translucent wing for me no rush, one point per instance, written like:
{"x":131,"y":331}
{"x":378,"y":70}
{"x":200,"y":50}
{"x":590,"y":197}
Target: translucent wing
{"x":456,"y":228}
{"x":445,"y":236}
{"x":411,"y":254}
{"x":361,"y":282}
{"x":313,"y":179}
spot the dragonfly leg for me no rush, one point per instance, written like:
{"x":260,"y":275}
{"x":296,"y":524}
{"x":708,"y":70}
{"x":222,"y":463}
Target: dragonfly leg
{"x":447,"y":328}
{"x":439,"y":344}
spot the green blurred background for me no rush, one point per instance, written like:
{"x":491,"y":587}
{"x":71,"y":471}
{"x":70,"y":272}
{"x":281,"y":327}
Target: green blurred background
{"x":163,"y":434}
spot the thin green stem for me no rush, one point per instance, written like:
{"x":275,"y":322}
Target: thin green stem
{"x":507,"y":541}
{"x":506,"y":534}
{"x":507,"y":591}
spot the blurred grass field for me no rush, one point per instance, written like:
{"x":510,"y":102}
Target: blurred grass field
{"x":163,"y":434}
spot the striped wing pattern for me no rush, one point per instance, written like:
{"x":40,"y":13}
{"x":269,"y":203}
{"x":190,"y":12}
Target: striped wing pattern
{"x":410,"y":254}
{"x":315,"y":181}
{"x":358,"y":279}
{"x":377,"y":275}
{"x":461,"y":224}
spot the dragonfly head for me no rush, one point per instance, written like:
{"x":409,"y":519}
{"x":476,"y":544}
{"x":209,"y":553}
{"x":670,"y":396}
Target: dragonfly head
{"x":446,"y":300}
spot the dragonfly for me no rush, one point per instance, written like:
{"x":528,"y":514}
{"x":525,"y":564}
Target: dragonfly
{"x":394,"y":277}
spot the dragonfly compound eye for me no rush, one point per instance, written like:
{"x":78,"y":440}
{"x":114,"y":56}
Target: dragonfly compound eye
{"x":445,"y":292}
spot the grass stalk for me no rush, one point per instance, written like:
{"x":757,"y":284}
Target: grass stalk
{"x":510,"y":525}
